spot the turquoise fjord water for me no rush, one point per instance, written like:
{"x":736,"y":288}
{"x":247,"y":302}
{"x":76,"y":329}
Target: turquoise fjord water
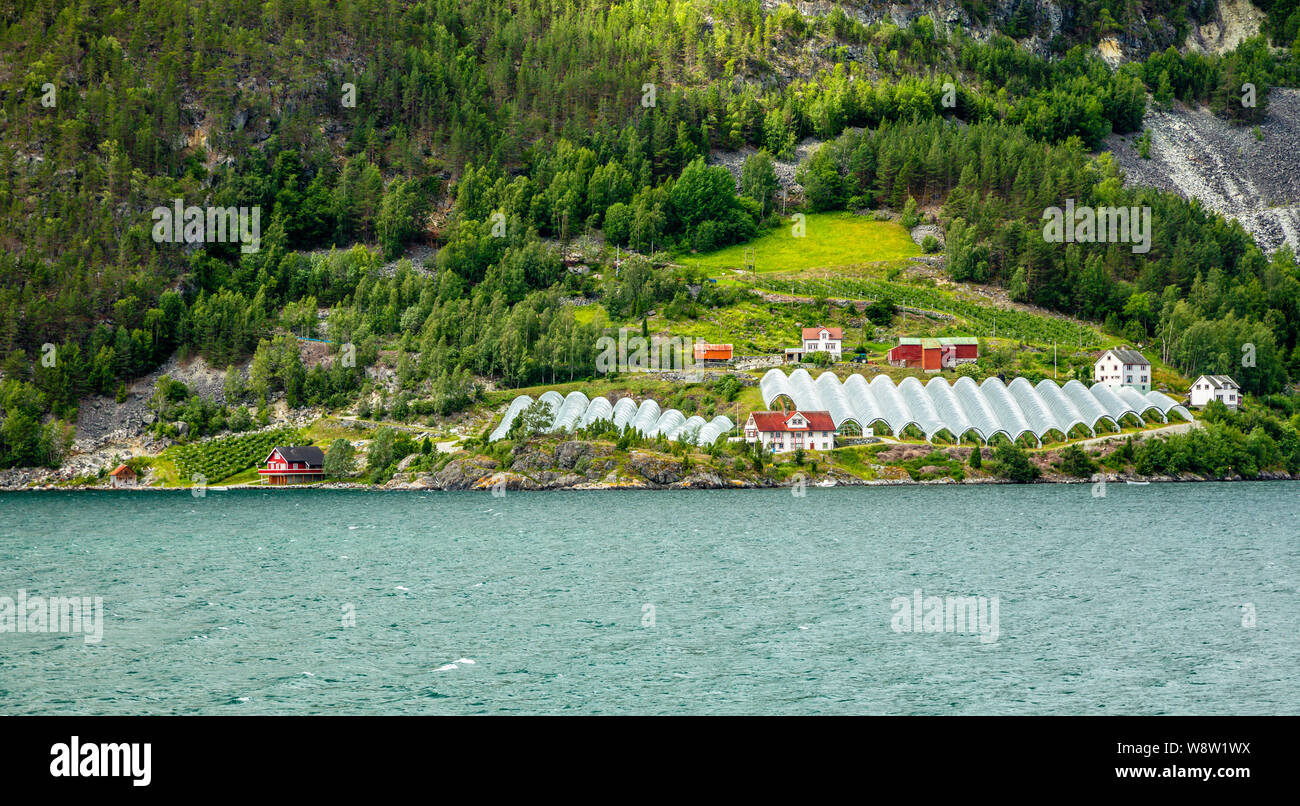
{"x":353,"y":602}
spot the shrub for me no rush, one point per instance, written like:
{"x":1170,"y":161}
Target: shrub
{"x":379,"y":454}
{"x":1014,"y":464}
{"x":881,"y":312}
{"x":1075,"y":462}
{"x":339,"y":459}
{"x":910,"y":217}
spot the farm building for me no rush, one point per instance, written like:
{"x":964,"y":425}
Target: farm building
{"x":122,"y":476}
{"x":781,"y":432}
{"x":1215,"y":387}
{"x":934,"y":354}
{"x":712,"y":353}
{"x":817,"y":340}
{"x":1123,"y":367}
{"x":290,"y":465}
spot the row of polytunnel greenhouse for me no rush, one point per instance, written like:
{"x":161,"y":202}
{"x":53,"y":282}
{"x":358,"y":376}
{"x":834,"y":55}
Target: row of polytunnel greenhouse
{"x":575,"y":410}
{"x":987,"y":409}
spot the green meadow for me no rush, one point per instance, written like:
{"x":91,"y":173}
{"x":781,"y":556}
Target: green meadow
{"x":829,"y":240}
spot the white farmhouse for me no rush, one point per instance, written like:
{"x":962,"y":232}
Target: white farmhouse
{"x":1215,"y":387}
{"x":817,"y":340}
{"x":781,"y":432}
{"x":1122,"y":367}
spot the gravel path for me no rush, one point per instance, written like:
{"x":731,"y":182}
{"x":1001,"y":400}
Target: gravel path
{"x":1176,"y":428}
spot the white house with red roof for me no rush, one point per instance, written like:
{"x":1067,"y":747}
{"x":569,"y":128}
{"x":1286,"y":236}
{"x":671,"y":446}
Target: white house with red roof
{"x":818,"y":340}
{"x":784,"y":431}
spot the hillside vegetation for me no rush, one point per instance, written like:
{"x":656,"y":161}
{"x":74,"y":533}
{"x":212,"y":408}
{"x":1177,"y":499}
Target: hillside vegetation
{"x":506,"y":138}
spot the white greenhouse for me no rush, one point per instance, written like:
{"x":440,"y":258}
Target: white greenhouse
{"x":576,"y":411}
{"x":986,"y":409}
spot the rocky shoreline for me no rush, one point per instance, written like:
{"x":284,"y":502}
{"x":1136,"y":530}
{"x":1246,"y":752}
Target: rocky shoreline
{"x":544,"y":464}
{"x":512,"y":482}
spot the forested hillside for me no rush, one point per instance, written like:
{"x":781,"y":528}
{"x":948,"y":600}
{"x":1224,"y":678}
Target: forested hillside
{"x":493,"y":131}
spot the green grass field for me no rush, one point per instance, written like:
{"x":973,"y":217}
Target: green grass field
{"x":830,"y":240}
{"x":754,"y":327}
{"x":591,"y":314}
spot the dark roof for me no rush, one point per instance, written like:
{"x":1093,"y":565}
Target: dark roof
{"x":1221,"y":381}
{"x":1129,"y":356}
{"x":308,"y":454}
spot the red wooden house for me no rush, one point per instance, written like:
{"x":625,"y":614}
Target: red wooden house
{"x":122,"y":476}
{"x":290,"y":465}
{"x":933,"y":355}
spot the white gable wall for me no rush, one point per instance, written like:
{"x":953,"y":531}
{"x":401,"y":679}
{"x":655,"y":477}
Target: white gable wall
{"x":1113,"y":372}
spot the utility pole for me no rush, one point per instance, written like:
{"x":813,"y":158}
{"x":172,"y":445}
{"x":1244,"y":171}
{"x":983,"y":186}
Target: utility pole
{"x":1053,"y":360}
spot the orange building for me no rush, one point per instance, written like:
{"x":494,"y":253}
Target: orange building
{"x":122,"y":476}
{"x":712,"y":353}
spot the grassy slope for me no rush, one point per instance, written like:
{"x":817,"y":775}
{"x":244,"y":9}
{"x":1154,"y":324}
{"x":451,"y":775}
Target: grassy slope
{"x":829,"y":240}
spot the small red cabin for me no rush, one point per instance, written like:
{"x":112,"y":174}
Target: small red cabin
{"x":290,"y":465}
{"x":122,"y":476}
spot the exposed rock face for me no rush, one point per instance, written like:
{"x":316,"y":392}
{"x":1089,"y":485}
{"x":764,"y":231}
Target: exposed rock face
{"x":462,"y":474}
{"x":1233,"y":172}
{"x":102,"y":418}
{"x":656,"y":469}
{"x":581,"y":460}
{"x":1231,"y":22}
{"x":567,"y":454}
{"x":705,"y":480}
{"x":920,"y":231}
{"x":785,"y":166}
{"x":406,"y":463}
{"x":1042,"y":20}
